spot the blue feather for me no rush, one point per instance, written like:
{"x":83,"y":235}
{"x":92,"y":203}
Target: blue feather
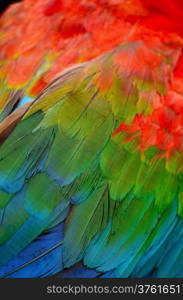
{"x":43,"y":257}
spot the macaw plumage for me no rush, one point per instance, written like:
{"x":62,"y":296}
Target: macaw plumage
{"x":91,"y":131}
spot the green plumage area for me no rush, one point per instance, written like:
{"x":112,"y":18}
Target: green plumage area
{"x":63,"y":155}
{"x":39,"y":203}
{"x":4,"y":199}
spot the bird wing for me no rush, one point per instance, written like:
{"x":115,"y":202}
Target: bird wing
{"x":87,"y":160}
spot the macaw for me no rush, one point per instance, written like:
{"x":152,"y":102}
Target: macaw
{"x":91,"y":132}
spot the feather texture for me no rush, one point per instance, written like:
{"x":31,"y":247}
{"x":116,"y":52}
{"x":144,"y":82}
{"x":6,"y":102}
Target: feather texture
{"x":84,"y":164}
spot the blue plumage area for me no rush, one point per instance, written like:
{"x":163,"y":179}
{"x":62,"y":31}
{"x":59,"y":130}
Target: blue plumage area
{"x":9,"y":184}
{"x":25,"y":99}
{"x":42,"y":258}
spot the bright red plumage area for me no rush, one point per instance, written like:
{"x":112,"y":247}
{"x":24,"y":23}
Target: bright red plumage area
{"x":76,"y":31}
{"x":163,"y":128}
